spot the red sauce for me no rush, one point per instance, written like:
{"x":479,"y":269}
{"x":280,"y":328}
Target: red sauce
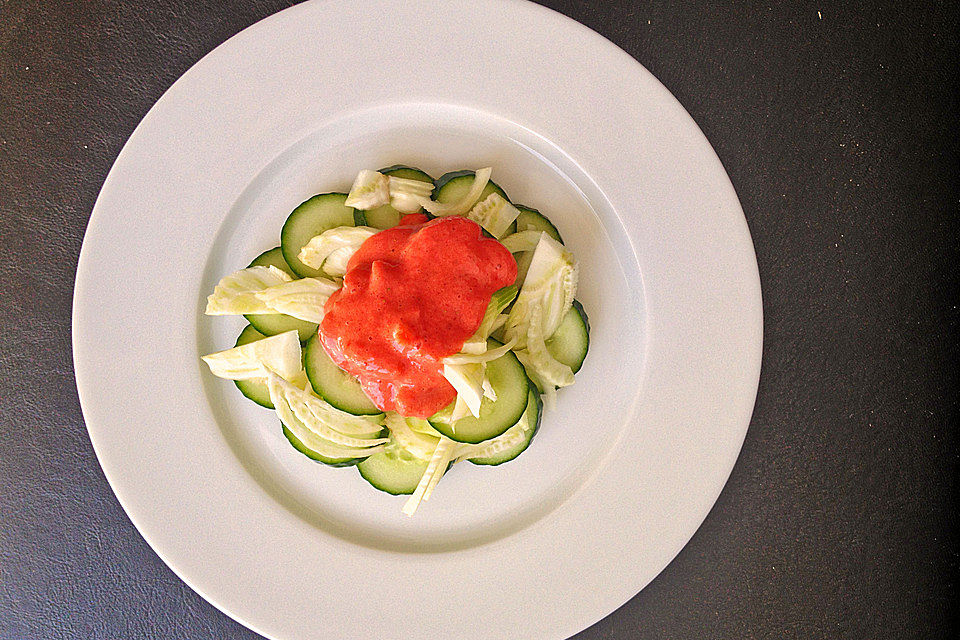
{"x":411,"y":296}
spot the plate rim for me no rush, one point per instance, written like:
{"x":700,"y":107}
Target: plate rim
{"x":78,"y":349}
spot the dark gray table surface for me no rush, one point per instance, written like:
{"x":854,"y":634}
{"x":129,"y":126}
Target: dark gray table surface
{"x":837,"y":125}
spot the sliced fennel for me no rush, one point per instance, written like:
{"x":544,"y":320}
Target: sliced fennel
{"x":405,"y":194}
{"x":551,"y":283}
{"x":302,"y":299}
{"x":521,"y":241}
{"x":550,"y":398}
{"x":522,"y":244}
{"x":320,"y":416}
{"x":371,"y":189}
{"x":467,"y":379}
{"x":495,"y":214}
{"x":546,"y":372}
{"x":508,"y":382}
{"x":513,"y":436}
{"x":460,"y":408}
{"x":279,"y":354}
{"x":235,"y":294}
{"x":479,"y":358}
{"x":506,"y":440}
{"x":290,"y":399}
{"x":549,"y":369}
{"x":466,"y":372}
{"x":488,"y":390}
{"x":547,"y":294}
{"x":441,"y":457}
{"x":462,"y":206}
{"x":498,"y":323}
{"x":418,"y":444}
{"x":332,"y":249}
{"x":268,"y":290}
{"x":446,"y":451}
{"x":500,"y":300}
{"x":423,"y":427}
{"x":312,"y":440}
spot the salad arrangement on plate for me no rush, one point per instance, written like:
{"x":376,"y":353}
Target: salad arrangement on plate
{"x":407,"y":325}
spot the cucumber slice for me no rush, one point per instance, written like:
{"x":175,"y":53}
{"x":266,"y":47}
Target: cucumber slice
{"x":570,"y":342}
{"x":311,"y":218}
{"x":532,"y":414}
{"x":386,"y":216}
{"x":273,"y":258}
{"x":404,"y":171}
{"x":453,"y":186}
{"x":383,"y":217}
{"x":531,"y":219}
{"x":270,"y":324}
{"x":253,"y":389}
{"x":313,"y":455}
{"x":333,"y":384}
{"x":393,"y":470}
{"x":510,"y":384}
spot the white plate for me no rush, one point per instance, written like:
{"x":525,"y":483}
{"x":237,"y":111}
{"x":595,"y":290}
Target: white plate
{"x":620,"y":476}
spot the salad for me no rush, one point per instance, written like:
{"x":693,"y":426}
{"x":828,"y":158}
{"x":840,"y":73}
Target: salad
{"x":407,"y":325}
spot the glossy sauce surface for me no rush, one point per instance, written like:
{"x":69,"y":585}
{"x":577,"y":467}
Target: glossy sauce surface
{"x":411,"y":296}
